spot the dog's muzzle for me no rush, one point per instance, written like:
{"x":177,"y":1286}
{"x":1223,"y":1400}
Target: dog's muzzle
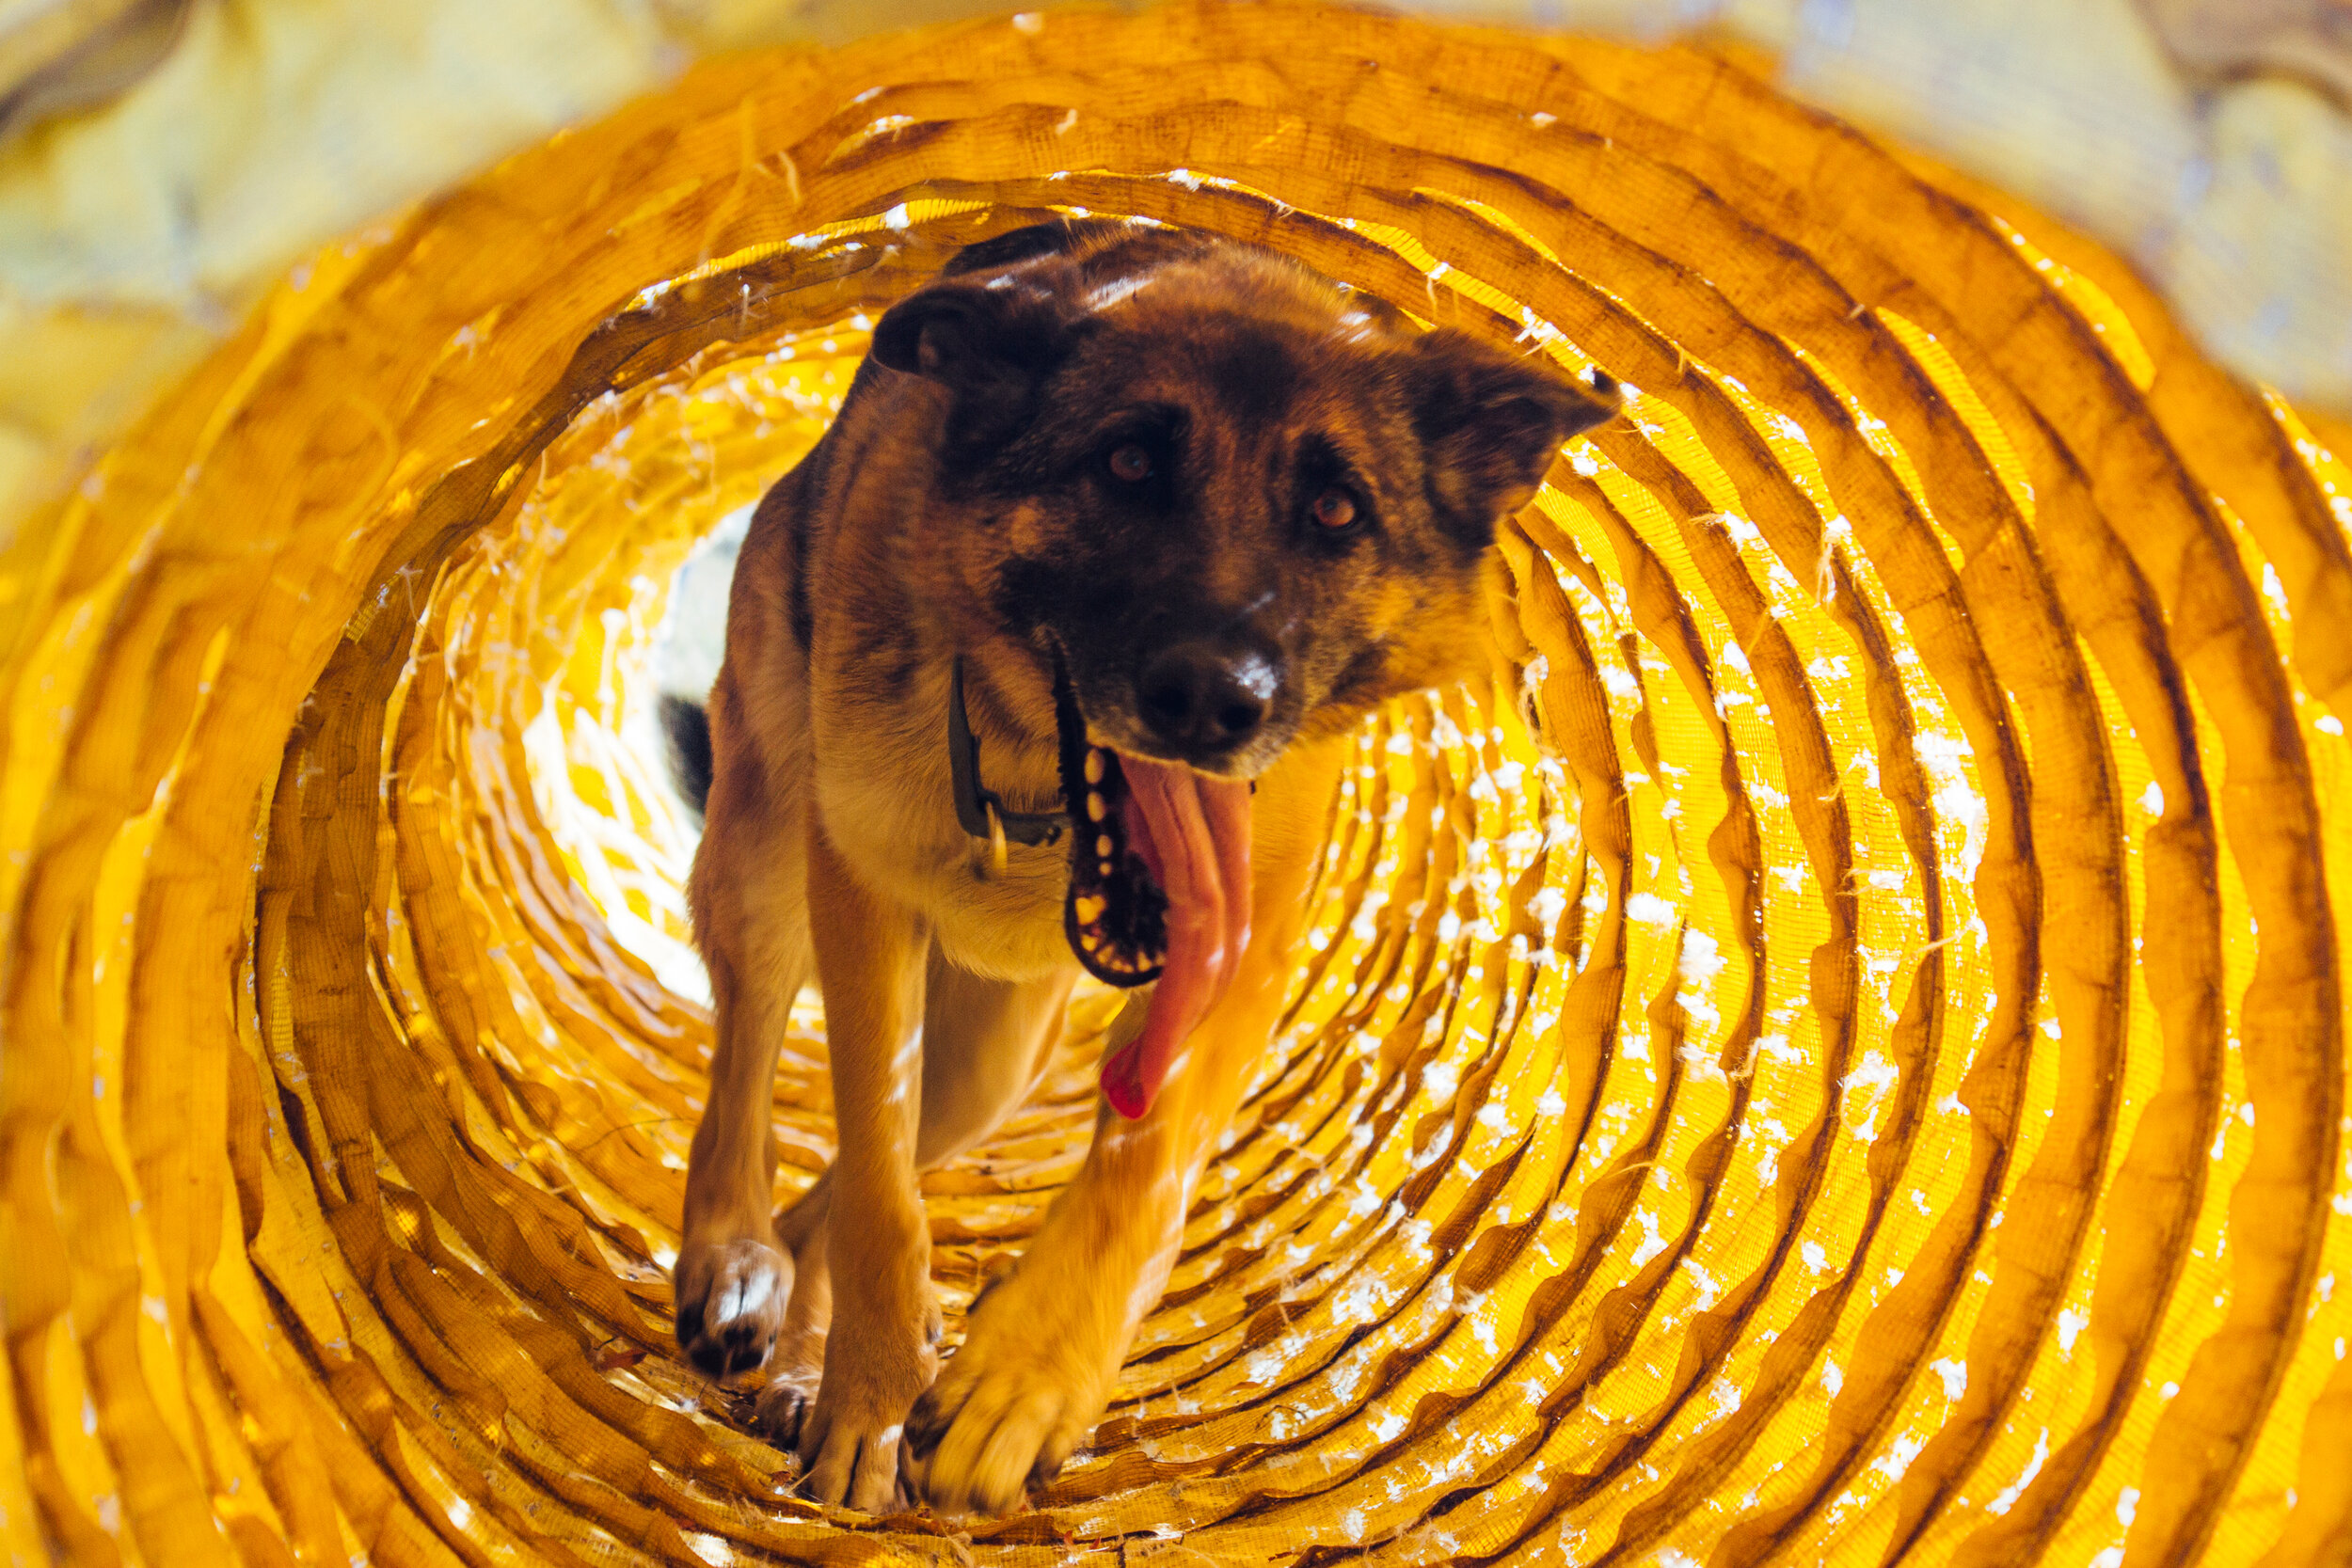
{"x":1114,"y":915}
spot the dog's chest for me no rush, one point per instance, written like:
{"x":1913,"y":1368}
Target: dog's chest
{"x":888,"y":805}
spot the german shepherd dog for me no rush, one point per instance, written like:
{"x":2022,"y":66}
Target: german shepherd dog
{"x":1046,"y":659}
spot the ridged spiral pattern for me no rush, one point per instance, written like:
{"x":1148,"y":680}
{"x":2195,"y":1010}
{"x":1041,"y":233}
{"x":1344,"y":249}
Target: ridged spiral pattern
{"x":1834,"y":1055}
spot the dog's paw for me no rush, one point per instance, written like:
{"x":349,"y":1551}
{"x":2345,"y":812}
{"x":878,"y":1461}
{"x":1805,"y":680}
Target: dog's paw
{"x":849,"y":1436}
{"x":1024,"y":1391}
{"x":730,"y":1303}
{"x":797,"y":1371}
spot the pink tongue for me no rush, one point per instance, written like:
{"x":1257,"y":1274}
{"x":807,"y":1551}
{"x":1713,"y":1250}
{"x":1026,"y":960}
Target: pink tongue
{"x":1196,"y":839}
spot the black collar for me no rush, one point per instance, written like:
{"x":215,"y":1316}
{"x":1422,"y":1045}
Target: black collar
{"x":979,"y":810}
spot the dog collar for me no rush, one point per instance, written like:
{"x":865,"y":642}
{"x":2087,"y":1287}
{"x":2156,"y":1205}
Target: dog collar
{"x":979,"y":810}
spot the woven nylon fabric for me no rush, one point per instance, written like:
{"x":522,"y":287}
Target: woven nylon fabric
{"x":1835,"y":1054}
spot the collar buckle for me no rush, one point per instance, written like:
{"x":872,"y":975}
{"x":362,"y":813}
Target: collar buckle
{"x":981,"y":811}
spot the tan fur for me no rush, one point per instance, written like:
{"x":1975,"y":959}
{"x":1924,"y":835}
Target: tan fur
{"x":833,"y":851}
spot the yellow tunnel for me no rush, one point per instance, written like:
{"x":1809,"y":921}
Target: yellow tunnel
{"x":1835,"y":1054}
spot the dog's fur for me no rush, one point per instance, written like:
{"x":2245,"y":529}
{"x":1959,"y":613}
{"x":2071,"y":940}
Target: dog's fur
{"x":961,"y":505}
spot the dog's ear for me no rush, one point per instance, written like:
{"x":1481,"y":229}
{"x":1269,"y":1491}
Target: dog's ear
{"x":1489,"y":423}
{"x":973,"y":335}
{"x":991,"y":342}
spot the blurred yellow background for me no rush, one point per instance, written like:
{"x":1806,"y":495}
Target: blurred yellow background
{"x":2205,"y":140}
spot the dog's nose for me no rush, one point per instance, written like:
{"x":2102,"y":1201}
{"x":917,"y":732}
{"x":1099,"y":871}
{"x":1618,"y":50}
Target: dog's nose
{"x":1203,"y":699}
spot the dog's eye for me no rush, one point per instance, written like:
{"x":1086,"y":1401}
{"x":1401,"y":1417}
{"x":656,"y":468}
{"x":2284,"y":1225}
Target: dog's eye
{"x":1334,"y":510}
{"x":1131,"y":463}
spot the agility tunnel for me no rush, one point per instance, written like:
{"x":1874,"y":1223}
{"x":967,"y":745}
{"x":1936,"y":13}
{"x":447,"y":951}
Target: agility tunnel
{"x":1834,"y":1054}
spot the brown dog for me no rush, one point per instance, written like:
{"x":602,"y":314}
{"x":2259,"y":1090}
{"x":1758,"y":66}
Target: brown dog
{"x":1147,"y":521}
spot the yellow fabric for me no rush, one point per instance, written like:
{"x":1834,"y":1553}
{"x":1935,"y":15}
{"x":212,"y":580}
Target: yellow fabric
{"x":1837,"y":1052}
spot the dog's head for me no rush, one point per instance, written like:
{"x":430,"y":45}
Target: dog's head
{"x":1227,"y":503}
{"x":1243,"y":503}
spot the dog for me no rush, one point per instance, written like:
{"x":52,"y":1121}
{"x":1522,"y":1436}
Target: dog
{"x":1046,"y":660}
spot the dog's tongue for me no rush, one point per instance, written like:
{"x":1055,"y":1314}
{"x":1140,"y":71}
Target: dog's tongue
{"x":1194,"y":834}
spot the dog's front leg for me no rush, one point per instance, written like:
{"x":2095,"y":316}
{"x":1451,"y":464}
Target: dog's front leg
{"x":879,"y":1354}
{"x":1041,"y":1352}
{"x":751,"y":915}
